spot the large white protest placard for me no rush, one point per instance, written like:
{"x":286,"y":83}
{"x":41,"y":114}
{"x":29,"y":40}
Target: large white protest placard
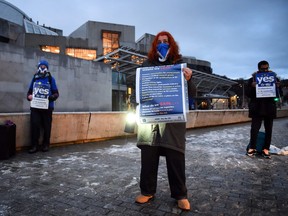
{"x":265,"y":85}
{"x":40,"y":95}
{"x":161,"y":92}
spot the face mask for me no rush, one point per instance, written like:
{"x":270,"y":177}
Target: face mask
{"x":163,"y":49}
{"x":42,"y":70}
{"x":264,"y":69}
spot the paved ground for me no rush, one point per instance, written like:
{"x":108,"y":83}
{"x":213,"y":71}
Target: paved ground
{"x":102,"y":178}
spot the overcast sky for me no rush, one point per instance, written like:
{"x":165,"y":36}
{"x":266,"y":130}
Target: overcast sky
{"x":233,"y":35}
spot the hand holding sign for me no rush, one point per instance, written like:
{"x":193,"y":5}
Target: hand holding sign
{"x":187,"y":73}
{"x":30,"y":97}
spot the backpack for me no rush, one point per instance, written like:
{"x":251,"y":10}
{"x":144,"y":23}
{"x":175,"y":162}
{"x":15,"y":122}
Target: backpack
{"x":49,"y":78}
{"x":260,"y":142}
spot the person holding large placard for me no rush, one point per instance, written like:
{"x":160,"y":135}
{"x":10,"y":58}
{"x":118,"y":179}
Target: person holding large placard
{"x":42,"y":93}
{"x":163,"y":139}
{"x":263,"y":88}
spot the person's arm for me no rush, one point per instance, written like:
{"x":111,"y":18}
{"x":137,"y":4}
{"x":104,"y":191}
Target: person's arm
{"x":188,"y":76}
{"x":30,"y":91}
{"x":279,"y":90}
{"x":54,"y":91}
{"x":250,"y":89}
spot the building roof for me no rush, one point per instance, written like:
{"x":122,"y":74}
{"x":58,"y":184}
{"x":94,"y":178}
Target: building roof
{"x":15,"y":15}
{"x":31,"y":27}
{"x":11,"y":13}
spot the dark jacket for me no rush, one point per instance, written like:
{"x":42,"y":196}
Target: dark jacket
{"x":260,"y":107}
{"x":168,"y":135}
{"x":47,"y":79}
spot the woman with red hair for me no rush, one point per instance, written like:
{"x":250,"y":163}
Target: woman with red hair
{"x":163,"y":139}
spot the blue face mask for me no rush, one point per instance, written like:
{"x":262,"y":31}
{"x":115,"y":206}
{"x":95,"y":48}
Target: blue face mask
{"x":163,"y":49}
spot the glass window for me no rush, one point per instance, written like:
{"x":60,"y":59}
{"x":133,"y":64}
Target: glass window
{"x":118,"y":78}
{"x":52,"y":49}
{"x":29,"y":28}
{"x":110,"y":42}
{"x":86,"y":54}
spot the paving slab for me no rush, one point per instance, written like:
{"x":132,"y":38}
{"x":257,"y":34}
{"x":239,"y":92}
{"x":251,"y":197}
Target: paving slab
{"x":102,"y":178}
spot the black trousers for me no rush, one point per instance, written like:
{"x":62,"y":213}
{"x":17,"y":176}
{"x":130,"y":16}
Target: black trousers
{"x":175,"y":162}
{"x":255,"y":127}
{"x":40,"y":119}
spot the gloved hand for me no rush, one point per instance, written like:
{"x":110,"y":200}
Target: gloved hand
{"x":51,"y":98}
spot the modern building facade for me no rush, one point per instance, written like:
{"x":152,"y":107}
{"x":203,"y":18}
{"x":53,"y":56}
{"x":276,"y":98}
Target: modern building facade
{"x":94,"y":66}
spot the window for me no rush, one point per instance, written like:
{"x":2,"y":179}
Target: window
{"x":118,"y":78}
{"x":52,"y":49}
{"x":31,"y":27}
{"x":81,"y":53}
{"x":110,"y":42}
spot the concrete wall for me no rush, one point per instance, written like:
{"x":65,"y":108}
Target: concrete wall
{"x":82,"y":84}
{"x":69,"y":128}
{"x":9,"y":30}
{"x":35,"y":40}
{"x":93,"y":32}
{"x":143,"y":44}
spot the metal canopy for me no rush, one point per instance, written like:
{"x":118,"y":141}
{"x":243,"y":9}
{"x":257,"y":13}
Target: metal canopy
{"x":211,"y":83}
{"x":126,"y":60}
{"x":123,"y":60}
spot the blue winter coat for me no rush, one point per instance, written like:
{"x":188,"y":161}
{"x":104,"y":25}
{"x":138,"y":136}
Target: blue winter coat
{"x":49,"y":80}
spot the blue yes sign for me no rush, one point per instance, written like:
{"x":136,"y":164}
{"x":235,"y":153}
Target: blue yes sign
{"x":265,"y":85}
{"x":40,"y":95}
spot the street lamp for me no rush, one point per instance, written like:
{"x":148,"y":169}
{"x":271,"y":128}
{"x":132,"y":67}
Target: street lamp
{"x":243,"y":94}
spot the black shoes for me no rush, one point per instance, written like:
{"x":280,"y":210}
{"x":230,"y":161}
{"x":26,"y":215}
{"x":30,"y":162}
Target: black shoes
{"x":267,"y":156}
{"x":251,"y":152}
{"x":45,"y":149}
{"x":35,"y":149}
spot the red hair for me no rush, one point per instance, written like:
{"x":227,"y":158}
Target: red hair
{"x":173,"y":55}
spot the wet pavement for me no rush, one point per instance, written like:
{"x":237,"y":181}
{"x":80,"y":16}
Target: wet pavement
{"x":102,"y":178}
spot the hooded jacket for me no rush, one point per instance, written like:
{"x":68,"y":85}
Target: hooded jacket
{"x":167,"y":135}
